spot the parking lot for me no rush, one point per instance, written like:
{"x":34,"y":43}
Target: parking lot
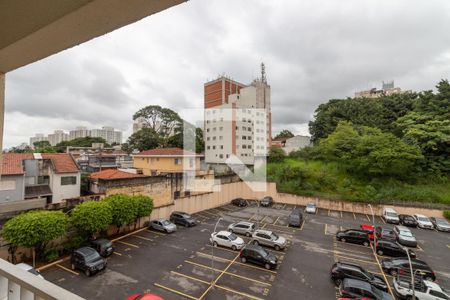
{"x":184,"y":265}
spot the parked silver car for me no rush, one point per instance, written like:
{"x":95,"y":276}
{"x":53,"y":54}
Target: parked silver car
{"x":405,"y":236}
{"x":268,"y":238}
{"x":440,"y":224}
{"x":246,"y":228}
{"x":163,"y":225}
{"x":423,"y":221}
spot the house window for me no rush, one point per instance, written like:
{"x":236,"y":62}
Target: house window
{"x":244,"y":146}
{"x":214,"y":147}
{"x":221,"y":146}
{"x":191,"y":162}
{"x":220,"y":155}
{"x":177,"y":161}
{"x":209,"y":147}
{"x":68,"y":180}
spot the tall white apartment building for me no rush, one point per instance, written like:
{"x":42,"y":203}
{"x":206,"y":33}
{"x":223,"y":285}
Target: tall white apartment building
{"x":108,"y":134}
{"x":238,"y":120}
{"x":57,"y":137}
{"x":38,"y":137}
{"x":79,"y":132}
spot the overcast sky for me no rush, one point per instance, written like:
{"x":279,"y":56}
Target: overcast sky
{"x":314,"y":50}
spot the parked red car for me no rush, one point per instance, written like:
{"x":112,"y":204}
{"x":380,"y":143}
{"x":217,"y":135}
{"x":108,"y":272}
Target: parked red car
{"x":144,"y":297}
{"x":369,"y":229}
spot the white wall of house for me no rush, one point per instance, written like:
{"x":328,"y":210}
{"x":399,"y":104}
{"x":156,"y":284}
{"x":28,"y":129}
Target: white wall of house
{"x":11,"y":188}
{"x":61,"y":192}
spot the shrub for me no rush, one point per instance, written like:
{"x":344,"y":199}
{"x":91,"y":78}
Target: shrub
{"x":447,"y":214}
{"x":75,"y":243}
{"x":91,"y":217}
{"x":124,"y":209}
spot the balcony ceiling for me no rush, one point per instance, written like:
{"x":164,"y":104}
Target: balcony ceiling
{"x":32,"y":30}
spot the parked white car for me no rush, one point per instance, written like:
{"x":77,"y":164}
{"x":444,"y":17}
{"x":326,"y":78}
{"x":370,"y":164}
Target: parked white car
{"x":311,"y":208}
{"x":227,"y":239}
{"x":390,"y":215}
{"x":423,"y":221}
{"x":427,"y":290}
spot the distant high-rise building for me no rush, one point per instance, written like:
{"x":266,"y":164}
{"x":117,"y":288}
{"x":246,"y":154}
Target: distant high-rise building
{"x":387,"y":89}
{"x":38,"y":137}
{"x":57,"y":137}
{"x":108,"y":134}
{"x":238,"y":119}
{"x":79,"y":132}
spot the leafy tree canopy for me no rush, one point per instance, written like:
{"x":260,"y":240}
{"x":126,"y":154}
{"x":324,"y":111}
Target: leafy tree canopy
{"x":144,"y":139}
{"x":124,"y":209}
{"x":80,"y":142}
{"x":32,"y":229}
{"x":284,"y":134}
{"x":91,"y":216}
{"x":276,"y":155}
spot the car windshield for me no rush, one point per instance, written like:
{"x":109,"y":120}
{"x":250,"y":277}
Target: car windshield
{"x":406,"y":233}
{"x":107,"y":244}
{"x":263,"y":252}
{"x":93,"y":256}
{"x":442,"y":222}
{"x":274,"y":236}
{"x":186,"y":216}
{"x":423,"y":219}
{"x":295,"y":217}
{"x":310,"y":205}
{"x":232,"y":237}
{"x":165,"y":223}
{"x":391,"y":214}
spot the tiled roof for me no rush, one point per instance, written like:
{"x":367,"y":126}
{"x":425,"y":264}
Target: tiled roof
{"x":167,"y":152}
{"x":12,"y":163}
{"x":114,"y":174}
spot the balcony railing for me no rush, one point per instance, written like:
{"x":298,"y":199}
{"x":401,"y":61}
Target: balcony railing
{"x":18,"y":284}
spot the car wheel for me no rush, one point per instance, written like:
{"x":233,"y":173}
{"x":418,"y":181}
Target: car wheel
{"x":343,"y":240}
{"x":186,"y":225}
{"x":243,"y":260}
{"x":255,"y":242}
{"x":267,"y":266}
{"x":380,"y":252}
{"x":233,"y":247}
{"x":409,"y":298}
{"x":277,"y":247}
{"x":337,"y":282}
{"x":393,"y":272}
{"x":366,"y":243}
{"x":87,"y":272}
{"x":215,"y":244}
{"x":247,"y":234}
{"x":72,"y":266}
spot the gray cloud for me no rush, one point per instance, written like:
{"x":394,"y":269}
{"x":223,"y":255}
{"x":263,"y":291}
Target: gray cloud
{"x":313,"y":50}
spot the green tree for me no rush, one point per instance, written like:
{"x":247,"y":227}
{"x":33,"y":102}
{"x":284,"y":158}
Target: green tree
{"x":144,"y":139}
{"x":124,"y":210}
{"x":144,"y":206}
{"x":80,"y":142}
{"x":43,"y":147}
{"x":35,"y":229}
{"x":276,"y":155}
{"x":284,"y":134}
{"x":163,"y":121}
{"x":91,"y":217}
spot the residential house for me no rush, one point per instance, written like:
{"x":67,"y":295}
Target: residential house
{"x":53,"y":177}
{"x":291,"y":144}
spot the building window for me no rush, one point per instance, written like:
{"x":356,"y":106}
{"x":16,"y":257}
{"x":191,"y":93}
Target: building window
{"x":244,"y":128}
{"x":221,"y":146}
{"x":191,"y":162}
{"x":244,"y":146}
{"x":207,"y":138}
{"x":68,"y":180}
{"x":249,"y":138}
{"x":214,"y":138}
{"x":228,"y":155}
{"x":214,"y":129}
{"x":207,"y":130}
{"x":214,"y":147}
{"x":237,"y":128}
{"x":220,"y":155}
{"x":208,"y":147}
{"x":220,"y":128}
{"x":244,"y":137}
{"x":249,"y":146}
{"x":220,"y":137}
{"x":177,"y":161}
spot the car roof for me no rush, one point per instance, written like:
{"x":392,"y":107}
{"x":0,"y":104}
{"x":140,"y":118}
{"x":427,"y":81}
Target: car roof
{"x":349,"y":265}
{"x":253,"y":247}
{"x":24,"y":266}
{"x":244,"y":223}
{"x":225,"y":233}
{"x":85,"y":250}
{"x":268,"y":232}
{"x":402,"y":228}
{"x":160,"y":220}
{"x":356,"y":283}
{"x":420,"y":215}
{"x":310,"y":204}
{"x":100,"y":241}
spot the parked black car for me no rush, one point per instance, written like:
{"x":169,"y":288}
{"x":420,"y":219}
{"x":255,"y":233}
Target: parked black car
{"x":407,"y":220}
{"x":295,"y":218}
{"x":182,"y":218}
{"x":384,"y":233}
{"x":266,"y":201}
{"x":353,"y":236}
{"x":258,"y":255}
{"x":88,"y":260}
{"x":394,"y":266}
{"x":342,"y":270}
{"x":239,"y":202}
{"x":353,"y":288}
{"x":392,"y":248}
{"x":103,"y":247}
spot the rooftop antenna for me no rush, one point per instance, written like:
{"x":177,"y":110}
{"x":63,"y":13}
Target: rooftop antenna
{"x":263,"y":73}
